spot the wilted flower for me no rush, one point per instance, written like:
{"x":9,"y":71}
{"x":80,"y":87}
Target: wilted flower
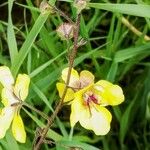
{"x":89,"y":100}
{"x":11,"y":94}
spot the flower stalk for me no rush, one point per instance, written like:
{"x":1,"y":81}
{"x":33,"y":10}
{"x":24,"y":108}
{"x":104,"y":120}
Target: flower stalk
{"x":58,"y":107}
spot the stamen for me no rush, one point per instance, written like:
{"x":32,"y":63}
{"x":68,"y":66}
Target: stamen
{"x":16,"y":97}
{"x":15,"y":104}
{"x":85,"y":97}
{"x":89,"y":109}
{"x":89,"y":97}
{"x":92,"y":97}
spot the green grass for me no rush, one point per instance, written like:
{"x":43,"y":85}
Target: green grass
{"x":29,"y":44}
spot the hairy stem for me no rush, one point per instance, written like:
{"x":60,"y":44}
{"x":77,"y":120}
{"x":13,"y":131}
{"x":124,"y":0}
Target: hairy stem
{"x":63,"y":15}
{"x":71,"y":62}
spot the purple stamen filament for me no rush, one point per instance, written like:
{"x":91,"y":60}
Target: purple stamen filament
{"x":88,"y":99}
{"x":93,"y":99}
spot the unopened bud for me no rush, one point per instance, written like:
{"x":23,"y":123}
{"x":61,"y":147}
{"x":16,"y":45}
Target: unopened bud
{"x":80,"y":5}
{"x":45,"y":7}
{"x":65,"y":31}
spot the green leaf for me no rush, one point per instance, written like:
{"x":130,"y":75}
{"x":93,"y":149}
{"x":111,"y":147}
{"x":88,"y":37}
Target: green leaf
{"x":125,"y":121}
{"x":11,"y":142}
{"x":51,"y":134}
{"x":29,"y":7}
{"x":45,"y":65}
{"x":112,"y":72}
{"x":12,"y":44}
{"x":42,"y":96}
{"x":28,"y":43}
{"x":129,"y":9}
{"x":74,"y":144}
{"x":131,"y":52}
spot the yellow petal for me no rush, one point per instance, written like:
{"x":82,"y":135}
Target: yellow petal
{"x":76,"y":109}
{"x":8,"y":97}
{"x":22,"y":86}
{"x":98,"y":121}
{"x":18,"y":129}
{"x":104,"y":111}
{"x":115,"y":95}
{"x":86,"y":78}
{"x":104,"y":83}
{"x":85,"y":118}
{"x":110,"y":94}
{"x":6,"y":77}
{"x":6,"y":117}
{"x":74,"y":79}
{"x":69,"y":95}
{"x":101,"y":121}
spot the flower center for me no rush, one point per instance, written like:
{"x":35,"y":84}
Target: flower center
{"x":90,"y":97}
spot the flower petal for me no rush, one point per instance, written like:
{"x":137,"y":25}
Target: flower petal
{"x":69,"y":95}
{"x":18,"y":129}
{"x":6,"y":77}
{"x":74,"y":79}
{"x":8,"y":98}
{"x":86,"y":78}
{"x":85,"y":118}
{"x":6,"y":117}
{"x":115,"y":95}
{"x":76,"y":108}
{"x":98,"y":121}
{"x":110,"y":94}
{"x":104,"y":83}
{"x":22,"y":86}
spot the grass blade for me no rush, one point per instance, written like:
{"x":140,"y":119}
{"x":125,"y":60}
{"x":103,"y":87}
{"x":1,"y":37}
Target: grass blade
{"x":28,"y":43}
{"x":12,"y":44}
{"x":139,"y":10}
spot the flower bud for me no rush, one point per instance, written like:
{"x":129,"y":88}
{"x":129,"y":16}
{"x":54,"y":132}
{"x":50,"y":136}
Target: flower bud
{"x":65,"y":31}
{"x":80,"y":5}
{"x":45,"y":7}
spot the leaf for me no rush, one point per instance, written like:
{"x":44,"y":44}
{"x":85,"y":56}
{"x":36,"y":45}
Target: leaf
{"x":74,"y":144}
{"x":131,"y":52}
{"x":45,"y":65}
{"x":51,"y":134}
{"x":11,"y":142}
{"x":125,"y":121}
{"x":112,"y":72}
{"x":24,"y":50}
{"x":129,"y":9}
{"x":12,"y":44}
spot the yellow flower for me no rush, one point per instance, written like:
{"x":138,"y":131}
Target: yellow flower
{"x":76,"y":83}
{"x":11,"y":94}
{"x":89,"y":100}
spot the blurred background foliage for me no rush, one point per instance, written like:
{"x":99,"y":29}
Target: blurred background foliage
{"x":112,"y":51}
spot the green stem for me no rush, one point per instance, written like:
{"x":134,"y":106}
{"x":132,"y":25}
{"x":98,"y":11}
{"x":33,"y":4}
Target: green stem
{"x":36,"y":110}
